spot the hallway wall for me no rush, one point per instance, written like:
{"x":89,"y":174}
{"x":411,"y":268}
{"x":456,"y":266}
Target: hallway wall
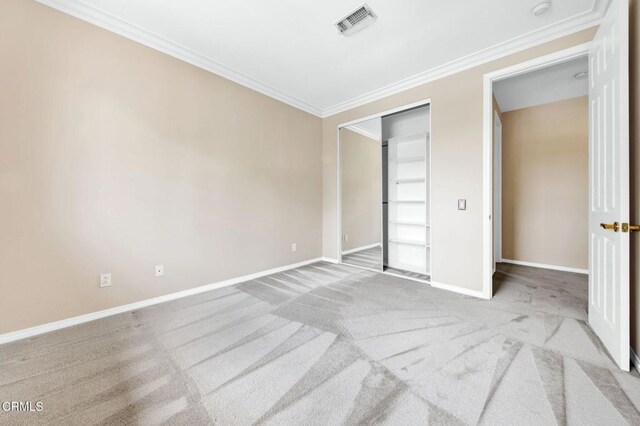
{"x":545,"y":154}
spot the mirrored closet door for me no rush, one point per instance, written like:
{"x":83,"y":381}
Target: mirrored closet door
{"x":361,"y":194}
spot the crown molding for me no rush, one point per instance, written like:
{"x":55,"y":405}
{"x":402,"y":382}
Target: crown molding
{"x":526,"y":41}
{"x":107,"y":21}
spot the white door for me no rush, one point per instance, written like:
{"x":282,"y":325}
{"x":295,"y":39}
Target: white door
{"x":609,"y":183}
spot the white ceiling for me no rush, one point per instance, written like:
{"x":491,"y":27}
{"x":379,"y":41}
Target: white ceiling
{"x":289,"y":49}
{"x":542,"y":86}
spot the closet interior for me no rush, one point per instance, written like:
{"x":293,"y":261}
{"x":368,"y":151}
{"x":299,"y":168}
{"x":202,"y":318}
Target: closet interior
{"x":385,"y":221}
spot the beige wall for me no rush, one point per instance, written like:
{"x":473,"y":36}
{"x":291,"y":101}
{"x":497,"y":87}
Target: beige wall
{"x":361,"y":174}
{"x":545,"y":154}
{"x":634,"y":141}
{"x":115,"y":157}
{"x":457,"y":134}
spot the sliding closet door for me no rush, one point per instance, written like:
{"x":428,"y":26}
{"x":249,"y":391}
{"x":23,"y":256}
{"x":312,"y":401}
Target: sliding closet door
{"x":408,"y":209}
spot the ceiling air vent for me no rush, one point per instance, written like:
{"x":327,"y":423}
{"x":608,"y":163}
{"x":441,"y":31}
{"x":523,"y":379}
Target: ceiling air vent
{"x":357,"y":20}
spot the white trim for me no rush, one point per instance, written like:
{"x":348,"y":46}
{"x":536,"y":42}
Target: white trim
{"x":69,"y":322}
{"x":330,"y":260}
{"x":546,"y":266}
{"x":360,"y":248}
{"x":559,"y":29}
{"x":339,"y":195}
{"x":497,"y":183}
{"x":487,"y":147}
{"x":412,"y":105}
{"x":365,"y":133}
{"x":109,"y":22}
{"x":457,"y":289}
{"x":634,"y":359}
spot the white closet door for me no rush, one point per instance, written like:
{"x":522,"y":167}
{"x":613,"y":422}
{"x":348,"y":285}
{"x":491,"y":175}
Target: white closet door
{"x":408,"y":204}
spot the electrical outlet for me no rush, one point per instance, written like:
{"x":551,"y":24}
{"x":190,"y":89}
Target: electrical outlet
{"x":345,"y":238}
{"x":294,"y":247}
{"x":105,"y":280}
{"x":159,"y":270}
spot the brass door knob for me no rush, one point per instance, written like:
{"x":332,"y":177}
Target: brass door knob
{"x":614,"y":226}
{"x":633,"y":228}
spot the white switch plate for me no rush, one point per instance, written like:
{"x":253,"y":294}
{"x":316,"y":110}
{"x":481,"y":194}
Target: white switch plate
{"x":159,"y":270}
{"x":294,"y":247}
{"x":346,"y":238}
{"x":462,"y":204}
{"x":105,"y":280}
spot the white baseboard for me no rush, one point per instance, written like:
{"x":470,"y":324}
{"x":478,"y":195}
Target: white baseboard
{"x":545,"y":266}
{"x":57,"y":325}
{"x":461,"y":290}
{"x":361,"y":248}
{"x":329,"y":259}
{"x":635,"y":361}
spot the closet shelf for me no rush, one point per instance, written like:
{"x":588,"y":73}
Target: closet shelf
{"x":406,"y":222}
{"x":408,"y":242}
{"x":408,"y":201}
{"x":407,"y":138}
{"x":409,"y":159}
{"x":408,"y":180}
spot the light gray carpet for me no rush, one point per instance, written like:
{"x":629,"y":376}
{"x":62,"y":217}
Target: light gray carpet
{"x":371,"y":258}
{"x":331,"y":344}
{"x":368,"y":258}
{"x":408,"y":274}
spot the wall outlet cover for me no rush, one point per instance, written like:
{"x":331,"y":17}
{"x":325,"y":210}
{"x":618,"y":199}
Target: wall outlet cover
{"x":159,"y":270}
{"x":105,"y":280}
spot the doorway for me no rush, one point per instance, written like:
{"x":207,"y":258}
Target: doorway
{"x":540,"y":146}
{"x":608,"y":182}
{"x":384,"y":187}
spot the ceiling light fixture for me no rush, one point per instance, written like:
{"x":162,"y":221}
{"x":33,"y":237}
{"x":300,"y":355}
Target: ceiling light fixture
{"x":541,"y":8}
{"x":581,"y":75}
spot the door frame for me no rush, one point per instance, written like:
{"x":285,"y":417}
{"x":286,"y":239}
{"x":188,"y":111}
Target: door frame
{"x":417,"y":104}
{"x":497,"y":197}
{"x":487,"y":146}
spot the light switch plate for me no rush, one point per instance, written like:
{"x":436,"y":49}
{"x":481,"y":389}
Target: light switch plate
{"x":159,"y":270}
{"x":462,"y":204}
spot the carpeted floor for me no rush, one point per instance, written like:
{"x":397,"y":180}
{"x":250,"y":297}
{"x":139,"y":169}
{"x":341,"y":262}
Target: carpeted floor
{"x":371,"y":258}
{"x":331,"y":344}
{"x":368,"y":258}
